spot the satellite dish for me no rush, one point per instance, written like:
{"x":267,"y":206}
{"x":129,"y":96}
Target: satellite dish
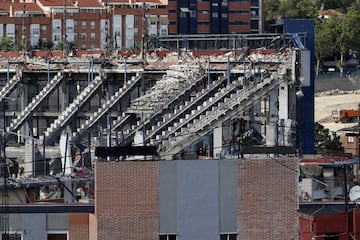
{"x":354,"y":193}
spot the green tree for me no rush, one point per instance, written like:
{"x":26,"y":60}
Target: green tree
{"x":326,"y":142}
{"x":6,"y":43}
{"x":327,"y":31}
{"x":308,"y":8}
{"x":45,"y":44}
{"x":271,"y":9}
{"x":350,"y":36}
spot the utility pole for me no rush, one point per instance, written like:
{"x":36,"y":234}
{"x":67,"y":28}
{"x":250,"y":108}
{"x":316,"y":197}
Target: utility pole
{"x":358,"y":138}
{"x":144,"y":34}
{"x":5,"y":195}
{"x":65,"y":47}
{"x":24,"y":30}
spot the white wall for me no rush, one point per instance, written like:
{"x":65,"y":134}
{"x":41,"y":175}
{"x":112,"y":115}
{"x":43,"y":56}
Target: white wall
{"x":56,"y":31}
{"x":117,"y":31}
{"x":70,"y":25}
{"x":129,"y":31}
{"x":34,"y":34}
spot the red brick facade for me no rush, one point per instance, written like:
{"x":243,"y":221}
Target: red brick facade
{"x":267,"y":198}
{"x":79,"y":226}
{"x":126,"y":205}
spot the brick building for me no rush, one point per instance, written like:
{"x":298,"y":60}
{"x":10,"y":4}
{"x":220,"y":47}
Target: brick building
{"x":196,"y":199}
{"x":190,"y":17}
{"x":89,"y":24}
{"x":82,"y":24}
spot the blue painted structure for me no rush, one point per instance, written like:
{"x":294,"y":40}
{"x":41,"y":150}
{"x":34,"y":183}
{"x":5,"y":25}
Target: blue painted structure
{"x":305,"y":105}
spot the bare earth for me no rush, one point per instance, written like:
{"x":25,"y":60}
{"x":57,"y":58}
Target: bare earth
{"x":327,"y":101}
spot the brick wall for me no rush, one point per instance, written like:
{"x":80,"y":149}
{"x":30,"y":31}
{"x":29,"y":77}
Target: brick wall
{"x":126,"y":204}
{"x":79,"y":226}
{"x":267,"y":195}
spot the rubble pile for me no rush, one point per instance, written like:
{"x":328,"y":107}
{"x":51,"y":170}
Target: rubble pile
{"x":176,"y":79}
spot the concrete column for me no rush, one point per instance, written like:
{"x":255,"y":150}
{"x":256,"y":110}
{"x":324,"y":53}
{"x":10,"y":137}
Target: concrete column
{"x":283,"y":101}
{"x":63,"y":95}
{"x":29,"y":156}
{"x":24,"y":92}
{"x":283,"y":105}
{"x":217,"y":141}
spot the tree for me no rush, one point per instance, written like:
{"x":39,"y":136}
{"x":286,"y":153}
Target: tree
{"x":44,"y":44}
{"x":326,"y":142}
{"x":271,"y":9}
{"x":351,"y":30}
{"x":327,"y":31}
{"x":6,"y":43}
{"x":308,"y":8}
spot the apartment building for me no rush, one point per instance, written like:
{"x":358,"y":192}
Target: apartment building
{"x":215,"y":16}
{"x":24,"y":22}
{"x":83,"y":24}
{"x":132,"y":20}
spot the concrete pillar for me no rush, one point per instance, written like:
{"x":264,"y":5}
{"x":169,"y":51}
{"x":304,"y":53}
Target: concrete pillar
{"x":217,"y":141}
{"x":63,"y":95}
{"x":24,"y":92}
{"x":29,"y":156}
{"x":283,"y":101}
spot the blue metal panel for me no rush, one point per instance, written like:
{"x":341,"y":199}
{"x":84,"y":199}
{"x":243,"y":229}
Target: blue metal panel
{"x":198,"y":199}
{"x":228,"y":195}
{"x":183,"y":17}
{"x":193,"y":16}
{"x":167,"y":197}
{"x":35,"y":226}
{"x":305,"y":105}
{"x":224,"y":22}
{"x":215,"y":11}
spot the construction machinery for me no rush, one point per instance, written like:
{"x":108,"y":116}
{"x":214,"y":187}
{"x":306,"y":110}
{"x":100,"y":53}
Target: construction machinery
{"x":345,"y":115}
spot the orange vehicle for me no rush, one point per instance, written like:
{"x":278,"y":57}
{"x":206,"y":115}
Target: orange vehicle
{"x":345,"y":115}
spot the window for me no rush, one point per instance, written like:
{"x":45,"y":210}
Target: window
{"x":163,"y":31}
{"x":82,"y":36}
{"x":57,"y":236}
{"x":203,"y":11}
{"x":43,"y":30}
{"x":224,"y":15}
{"x":35,"y":31}
{"x":11,"y":236}
{"x":239,"y":12}
{"x":92,"y":25}
{"x":228,"y":236}
{"x":83,"y":24}
{"x":56,"y":38}
{"x":350,"y":139}
{"x":182,"y":14}
{"x":239,"y":23}
{"x":215,"y":14}
{"x":92,"y":36}
{"x":192,"y":13}
{"x":167,"y":237}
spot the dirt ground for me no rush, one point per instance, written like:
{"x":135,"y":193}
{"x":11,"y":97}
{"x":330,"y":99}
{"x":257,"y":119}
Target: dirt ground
{"x":330,"y":100}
